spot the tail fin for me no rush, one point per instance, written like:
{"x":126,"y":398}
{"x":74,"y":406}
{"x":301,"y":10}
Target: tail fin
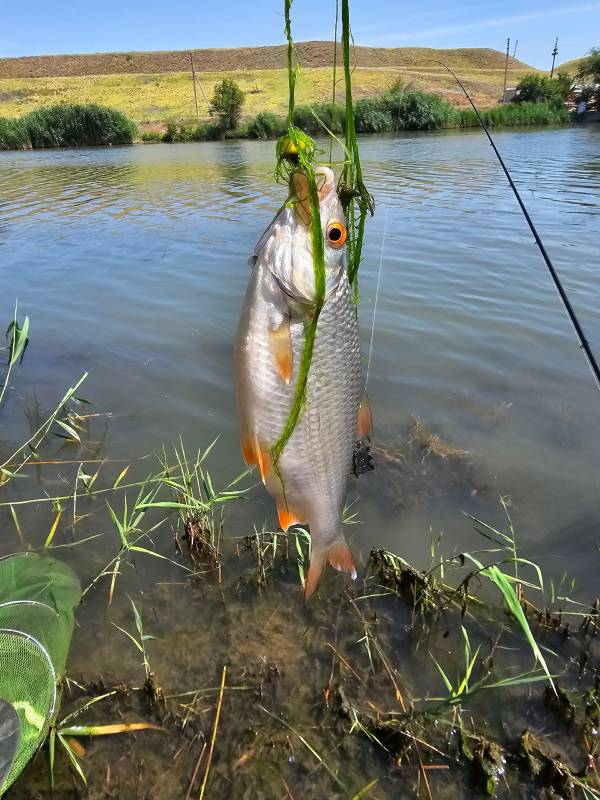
{"x":340,"y":558}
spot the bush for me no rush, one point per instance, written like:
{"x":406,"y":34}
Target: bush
{"x":403,"y":109}
{"x":589,"y":76}
{"x":266,"y":126}
{"x":152,"y":136}
{"x":371,"y":116}
{"x":227,"y":103}
{"x":418,"y":111}
{"x":543,"y":89}
{"x":319,"y":118}
{"x":206,"y":132}
{"x":590,"y":66}
{"x":68,"y":125}
{"x":170,"y":134}
{"x":187,"y":133}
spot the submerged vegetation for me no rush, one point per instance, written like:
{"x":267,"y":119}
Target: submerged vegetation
{"x":67,"y":125}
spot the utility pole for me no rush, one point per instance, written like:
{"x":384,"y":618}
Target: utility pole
{"x":506,"y":70}
{"x":194,"y":82}
{"x":554,"y":54}
{"x":515,"y":49}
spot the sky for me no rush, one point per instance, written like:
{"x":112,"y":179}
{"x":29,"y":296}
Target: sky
{"x":39,"y":27}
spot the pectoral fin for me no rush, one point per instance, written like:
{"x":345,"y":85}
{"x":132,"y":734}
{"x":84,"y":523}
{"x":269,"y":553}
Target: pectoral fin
{"x":248,"y":452}
{"x":281,"y":349}
{"x":256,"y":452}
{"x":263,"y":459}
{"x":365,"y":418}
{"x":287,"y":516}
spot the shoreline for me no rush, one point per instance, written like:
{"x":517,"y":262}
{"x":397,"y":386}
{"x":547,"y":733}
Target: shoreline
{"x":384,"y":134}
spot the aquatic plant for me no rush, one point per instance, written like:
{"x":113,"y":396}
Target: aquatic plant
{"x":516,"y":114}
{"x":403,"y":108}
{"x":18,"y":341}
{"x":13,"y":134}
{"x":152,"y":136}
{"x":68,"y":125}
{"x":203,"y":132}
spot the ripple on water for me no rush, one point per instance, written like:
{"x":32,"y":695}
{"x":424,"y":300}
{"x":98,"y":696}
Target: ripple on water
{"x":134,"y":260}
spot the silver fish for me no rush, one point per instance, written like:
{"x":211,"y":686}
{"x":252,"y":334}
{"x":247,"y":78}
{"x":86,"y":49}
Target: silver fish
{"x":309,"y":481}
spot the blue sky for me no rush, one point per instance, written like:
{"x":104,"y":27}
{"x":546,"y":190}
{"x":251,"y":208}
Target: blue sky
{"x":39,"y":27}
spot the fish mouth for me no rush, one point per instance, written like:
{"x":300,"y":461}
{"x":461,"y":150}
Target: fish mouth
{"x":299,"y":192}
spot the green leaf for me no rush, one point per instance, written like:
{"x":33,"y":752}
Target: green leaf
{"x":72,"y":757}
{"x":130,"y":636}
{"x":71,"y":431}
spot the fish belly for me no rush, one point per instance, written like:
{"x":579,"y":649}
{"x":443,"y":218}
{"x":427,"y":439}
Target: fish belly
{"x":312,"y":473}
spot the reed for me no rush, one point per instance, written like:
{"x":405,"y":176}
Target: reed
{"x":516,"y":114}
{"x":67,"y":125}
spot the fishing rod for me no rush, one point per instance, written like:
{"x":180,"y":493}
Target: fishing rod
{"x":583,"y":342}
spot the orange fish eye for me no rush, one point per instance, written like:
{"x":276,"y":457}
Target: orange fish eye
{"x":336,"y":234}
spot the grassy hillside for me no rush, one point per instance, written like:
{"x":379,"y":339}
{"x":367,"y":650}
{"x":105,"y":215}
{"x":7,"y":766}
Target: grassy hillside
{"x":570,"y":67}
{"x":155,"y":87}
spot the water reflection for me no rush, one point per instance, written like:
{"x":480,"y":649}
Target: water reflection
{"x":131,"y":262}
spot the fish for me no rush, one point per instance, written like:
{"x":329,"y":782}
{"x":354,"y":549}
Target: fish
{"x":309,"y":479}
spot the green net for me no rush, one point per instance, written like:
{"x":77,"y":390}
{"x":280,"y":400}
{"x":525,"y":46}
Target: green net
{"x":38,"y":596}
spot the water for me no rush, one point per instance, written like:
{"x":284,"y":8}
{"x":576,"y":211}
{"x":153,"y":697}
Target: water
{"x":131,"y":264}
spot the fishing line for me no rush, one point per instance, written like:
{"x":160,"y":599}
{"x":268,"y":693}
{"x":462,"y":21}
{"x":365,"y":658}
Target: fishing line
{"x":583,"y":342}
{"x":385,"y":223}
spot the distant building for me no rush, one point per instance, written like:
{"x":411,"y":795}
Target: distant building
{"x":509,"y":94}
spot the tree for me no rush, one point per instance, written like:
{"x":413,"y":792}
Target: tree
{"x":589,"y":66}
{"x":227,"y":103}
{"x":589,"y":76}
{"x":543,"y":89}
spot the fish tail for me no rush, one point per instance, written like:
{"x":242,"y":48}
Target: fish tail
{"x":338,"y":555}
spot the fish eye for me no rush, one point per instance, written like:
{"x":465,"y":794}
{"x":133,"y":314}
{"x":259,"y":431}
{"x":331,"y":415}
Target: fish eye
{"x":336,"y":234}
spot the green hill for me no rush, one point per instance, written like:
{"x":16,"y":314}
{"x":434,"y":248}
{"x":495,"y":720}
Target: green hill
{"x":155,"y":87}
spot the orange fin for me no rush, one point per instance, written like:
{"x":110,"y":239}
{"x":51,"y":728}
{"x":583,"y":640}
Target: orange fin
{"x":340,"y":558}
{"x":248,"y":452}
{"x":315,"y":572}
{"x":263,"y":459}
{"x":365,"y":418}
{"x":287,"y":517}
{"x":281,"y":349}
{"x":255,"y":452}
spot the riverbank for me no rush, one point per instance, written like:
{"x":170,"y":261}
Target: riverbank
{"x":398,"y":109}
